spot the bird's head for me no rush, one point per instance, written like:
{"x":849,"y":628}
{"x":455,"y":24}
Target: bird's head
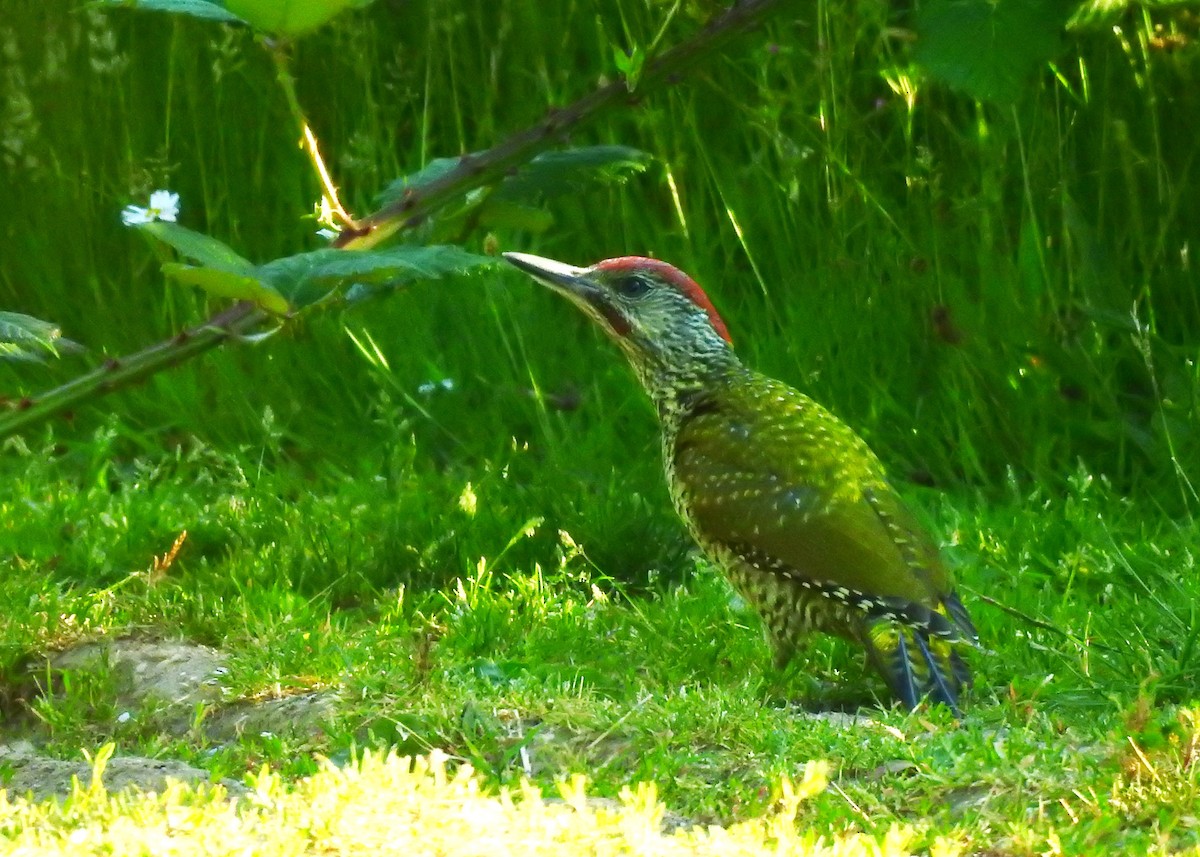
{"x":662,"y":320}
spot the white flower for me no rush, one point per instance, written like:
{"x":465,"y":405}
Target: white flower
{"x":431,"y":387}
{"x":164,"y":205}
{"x":327,"y":234}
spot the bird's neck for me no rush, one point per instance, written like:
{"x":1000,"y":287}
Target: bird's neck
{"x":675,"y":386}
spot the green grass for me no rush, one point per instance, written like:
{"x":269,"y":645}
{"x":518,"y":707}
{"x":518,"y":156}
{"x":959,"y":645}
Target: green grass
{"x":1001,"y":299}
{"x":1085,"y":730}
{"x":1007,"y":255}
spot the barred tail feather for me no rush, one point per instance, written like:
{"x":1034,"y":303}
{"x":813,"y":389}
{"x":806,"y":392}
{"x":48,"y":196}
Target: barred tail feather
{"x":898,"y":670}
{"x":962,"y":675}
{"x":915,"y":666}
{"x":939,"y":683}
{"x":958,"y":613}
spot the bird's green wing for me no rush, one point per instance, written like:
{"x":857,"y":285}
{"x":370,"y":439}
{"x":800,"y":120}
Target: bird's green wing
{"x":767,"y":473}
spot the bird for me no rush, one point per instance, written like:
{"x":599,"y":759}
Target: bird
{"x":783,"y":496}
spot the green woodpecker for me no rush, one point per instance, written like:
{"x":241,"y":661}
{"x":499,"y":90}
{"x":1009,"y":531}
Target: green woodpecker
{"x":780,"y":493}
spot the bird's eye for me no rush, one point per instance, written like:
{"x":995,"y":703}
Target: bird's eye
{"x":632,"y":286}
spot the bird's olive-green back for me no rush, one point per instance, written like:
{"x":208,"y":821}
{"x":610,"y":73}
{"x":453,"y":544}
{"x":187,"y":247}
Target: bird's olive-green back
{"x":759,"y":465}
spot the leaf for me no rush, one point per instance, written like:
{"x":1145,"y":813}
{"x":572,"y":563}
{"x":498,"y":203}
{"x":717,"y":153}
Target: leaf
{"x":630,"y":65}
{"x":549,"y":174}
{"x":295,"y":282}
{"x":227,"y":284}
{"x":432,"y":171}
{"x":571,"y":170}
{"x":21,"y":329}
{"x":23,"y":337}
{"x":221,"y":272}
{"x":205,"y":249}
{"x":195,"y":8}
{"x":307,"y":278}
{"x":292,"y":276}
{"x":989,"y":48}
{"x":290,"y":17}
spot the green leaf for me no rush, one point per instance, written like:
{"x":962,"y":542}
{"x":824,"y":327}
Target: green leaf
{"x":546,"y":175}
{"x":571,"y":170}
{"x":989,"y":48}
{"x":435,"y":169}
{"x":308,"y":278}
{"x":290,"y":17}
{"x":292,"y":276}
{"x":221,"y":271}
{"x":406,"y":262}
{"x":630,"y":65}
{"x":205,"y":249}
{"x":23,"y":337}
{"x":296,"y":282}
{"x":227,"y":284}
{"x":194,"y":8}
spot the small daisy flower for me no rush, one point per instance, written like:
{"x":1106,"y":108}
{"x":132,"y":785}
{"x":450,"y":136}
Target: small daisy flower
{"x":431,"y":387}
{"x":164,"y":205}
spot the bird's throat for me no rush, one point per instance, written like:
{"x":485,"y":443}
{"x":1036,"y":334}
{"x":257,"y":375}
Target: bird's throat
{"x":677,"y":389}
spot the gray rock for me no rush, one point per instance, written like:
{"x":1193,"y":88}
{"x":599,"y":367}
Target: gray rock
{"x":302,"y":714}
{"x":29,"y":774}
{"x":176,"y":673}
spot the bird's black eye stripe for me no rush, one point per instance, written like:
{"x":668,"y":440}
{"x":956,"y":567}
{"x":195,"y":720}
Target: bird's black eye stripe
{"x":632,"y":286}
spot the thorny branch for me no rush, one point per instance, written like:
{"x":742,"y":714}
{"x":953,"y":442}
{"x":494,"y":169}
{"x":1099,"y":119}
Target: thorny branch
{"x":418,"y":203}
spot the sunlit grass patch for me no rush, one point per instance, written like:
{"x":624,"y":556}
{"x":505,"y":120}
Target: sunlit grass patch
{"x":385,"y":804}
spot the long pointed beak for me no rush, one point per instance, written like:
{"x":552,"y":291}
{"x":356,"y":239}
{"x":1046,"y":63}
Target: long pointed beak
{"x":557,"y":275}
{"x":573,"y":284}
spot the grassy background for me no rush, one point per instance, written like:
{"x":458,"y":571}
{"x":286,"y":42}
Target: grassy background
{"x":1002,"y":300}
